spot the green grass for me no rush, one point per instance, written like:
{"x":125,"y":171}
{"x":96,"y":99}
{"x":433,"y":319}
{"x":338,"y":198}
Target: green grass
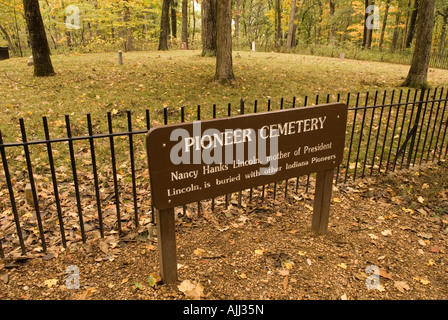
{"x":95,"y":83}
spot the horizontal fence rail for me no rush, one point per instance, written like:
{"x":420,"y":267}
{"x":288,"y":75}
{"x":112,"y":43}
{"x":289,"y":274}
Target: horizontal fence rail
{"x":54,"y":191}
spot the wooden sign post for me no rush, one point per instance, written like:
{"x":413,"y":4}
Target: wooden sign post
{"x":190,"y":162}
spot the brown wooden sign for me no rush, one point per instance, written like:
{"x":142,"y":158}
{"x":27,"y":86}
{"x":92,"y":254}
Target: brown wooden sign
{"x":226,"y":155}
{"x":190,"y":162}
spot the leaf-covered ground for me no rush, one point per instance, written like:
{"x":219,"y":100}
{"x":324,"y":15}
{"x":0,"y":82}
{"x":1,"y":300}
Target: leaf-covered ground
{"x":394,"y":225}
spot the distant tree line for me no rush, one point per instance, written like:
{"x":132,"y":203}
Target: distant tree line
{"x":280,"y":25}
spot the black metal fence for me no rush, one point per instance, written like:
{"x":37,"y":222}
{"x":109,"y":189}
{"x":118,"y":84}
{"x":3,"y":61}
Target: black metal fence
{"x":43,"y":202}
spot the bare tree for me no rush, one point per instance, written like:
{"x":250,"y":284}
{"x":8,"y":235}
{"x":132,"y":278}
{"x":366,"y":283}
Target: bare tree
{"x":291,"y":28}
{"x":418,"y":73}
{"x":224,"y":66}
{"x":185,"y":23}
{"x":208,"y":32}
{"x":164,"y":25}
{"x":38,"y":39}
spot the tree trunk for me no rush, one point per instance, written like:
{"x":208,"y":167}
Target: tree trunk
{"x":8,"y":38}
{"x":332,"y":28}
{"x":412,"y":24}
{"x":383,"y":29}
{"x":278,"y":24}
{"x":443,"y":31}
{"x":173,"y":18}
{"x":364,"y":36}
{"x":164,"y":25}
{"x":38,"y":39}
{"x":394,"y":44}
{"x":237,"y":21}
{"x":418,"y":72}
{"x":224,"y":67}
{"x":291,"y":28}
{"x":209,"y":27}
{"x":185,"y":23}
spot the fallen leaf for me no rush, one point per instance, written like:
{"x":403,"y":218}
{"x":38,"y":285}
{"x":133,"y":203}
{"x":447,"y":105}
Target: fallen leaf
{"x":51,"y":282}
{"x":103,"y":247}
{"x":258,"y":251}
{"x":420,"y":199}
{"x":435,"y":249}
{"x":198,"y":252}
{"x":193,"y":291}
{"x":385,"y":274}
{"x":386,"y":233}
{"x":372,"y":236}
{"x":152,"y":280}
{"x":283,"y":272}
{"x":401,"y":286}
{"x":422,"y":281}
{"x":342,"y":265}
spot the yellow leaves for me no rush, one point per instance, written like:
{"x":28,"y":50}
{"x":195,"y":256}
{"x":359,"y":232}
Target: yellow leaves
{"x":198,"y":252}
{"x":259,"y":252}
{"x":421,"y":280}
{"x":51,"y":282}
{"x":342,"y":265}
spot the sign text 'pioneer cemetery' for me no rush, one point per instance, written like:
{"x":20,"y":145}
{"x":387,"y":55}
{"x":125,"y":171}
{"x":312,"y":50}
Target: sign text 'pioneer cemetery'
{"x":194,"y":161}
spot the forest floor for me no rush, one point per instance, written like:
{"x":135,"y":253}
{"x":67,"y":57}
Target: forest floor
{"x":387,"y":240}
{"x":395,"y":225}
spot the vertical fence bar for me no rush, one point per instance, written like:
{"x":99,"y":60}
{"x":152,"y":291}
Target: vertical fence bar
{"x":33,"y":185}
{"x":415,"y":128}
{"x":11,"y":195}
{"x":378,"y":132}
{"x":401,"y":130}
{"x":425,"y":101}
{"x":440,"y":128}
{"x":131,"y":158}
{"x":393,"y":130}
{"x":351,"y":139}
{"x":75,"y":177}
{"x":55,"y":182}
{"x":114,"y":171}
{"x":428,"y":126}
{"x":370,"y":133}
{"x":339,"y":167}
{"x":148,"y":127}
{"x":95,"y":175}
{"x":436,"y":117}
{"x":385,"y":132}
{"x":360,"y":135}
{"x":408,"y":134}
